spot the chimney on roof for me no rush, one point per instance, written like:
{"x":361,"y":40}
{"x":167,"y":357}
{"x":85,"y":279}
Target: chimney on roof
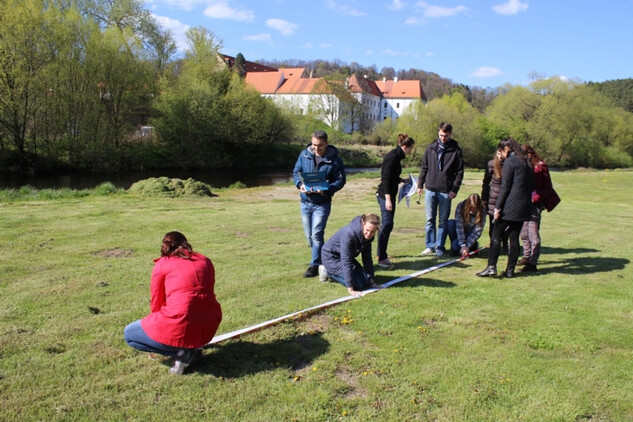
{"x":384,"y":79}
{"x":395,"y":79}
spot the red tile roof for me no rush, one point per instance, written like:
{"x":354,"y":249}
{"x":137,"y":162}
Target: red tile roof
{"x":401,"y":89}
{"x":265,"y":82}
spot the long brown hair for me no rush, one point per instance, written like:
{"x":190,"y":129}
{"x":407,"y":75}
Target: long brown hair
{"x":497,"y":165}
{"x":473,"y":205}
{"x":531,"y":154}
{"x":404,"y":140}
{"x":176,"y":244}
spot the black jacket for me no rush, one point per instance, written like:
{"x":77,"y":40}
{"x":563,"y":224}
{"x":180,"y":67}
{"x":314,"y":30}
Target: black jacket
{"x":515,"y":195}
{"x":450,"y":177}
{"x":390,"y":173}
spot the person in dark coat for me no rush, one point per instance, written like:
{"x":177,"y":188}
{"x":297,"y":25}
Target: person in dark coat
{"x":441,"y":175}
{"x":339,"y":253}
{"x":513,"y":206}
{"x":388,"y":192}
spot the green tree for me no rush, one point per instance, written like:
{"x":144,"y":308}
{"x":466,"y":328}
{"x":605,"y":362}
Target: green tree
{"x":25,"y":52}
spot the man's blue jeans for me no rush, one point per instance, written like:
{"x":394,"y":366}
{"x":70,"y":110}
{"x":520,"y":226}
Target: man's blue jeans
{"x":136,"y":337}
{"x":438,"y":205}
{"x":314,"y":218}
{"x":386,"y":226}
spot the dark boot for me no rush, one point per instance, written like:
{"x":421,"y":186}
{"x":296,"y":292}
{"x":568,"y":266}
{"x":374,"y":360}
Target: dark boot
{"x":509,"y":272}
{"x":312,"y":271}
{"x":489,"y":271}
{"x":523,"y":261}
{"x":529,"y":268}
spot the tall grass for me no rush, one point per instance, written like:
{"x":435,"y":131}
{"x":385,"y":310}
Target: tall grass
{"x":552,"y":346}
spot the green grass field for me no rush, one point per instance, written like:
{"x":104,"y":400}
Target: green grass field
{"x":448,"y":346}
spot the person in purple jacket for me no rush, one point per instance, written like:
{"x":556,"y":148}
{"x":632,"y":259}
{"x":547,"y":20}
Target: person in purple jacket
{"x":340,"y":251}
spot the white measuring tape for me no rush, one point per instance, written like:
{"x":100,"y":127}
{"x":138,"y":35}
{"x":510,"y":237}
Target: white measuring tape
{"x":256,"y":327}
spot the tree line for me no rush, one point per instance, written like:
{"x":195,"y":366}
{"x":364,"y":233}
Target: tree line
{"x":99,"y":85}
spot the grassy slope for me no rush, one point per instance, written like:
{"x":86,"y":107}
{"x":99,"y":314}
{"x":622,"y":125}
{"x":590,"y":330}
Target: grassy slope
{"x":448,"y":346}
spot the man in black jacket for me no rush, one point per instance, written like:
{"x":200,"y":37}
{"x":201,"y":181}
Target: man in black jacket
{"x":441,"y":175}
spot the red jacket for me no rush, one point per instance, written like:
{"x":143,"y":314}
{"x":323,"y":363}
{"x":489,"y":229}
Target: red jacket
{"x":184,"y":310}
{"x":544,"y":193}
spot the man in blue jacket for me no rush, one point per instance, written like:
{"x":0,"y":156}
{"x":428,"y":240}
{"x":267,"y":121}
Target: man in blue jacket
{"x":340,"y":252}
{"x":316,"y":204}
{"x":441,"y":175}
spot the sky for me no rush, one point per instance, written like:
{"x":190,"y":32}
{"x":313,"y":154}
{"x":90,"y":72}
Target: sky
{"x":483,"y":43}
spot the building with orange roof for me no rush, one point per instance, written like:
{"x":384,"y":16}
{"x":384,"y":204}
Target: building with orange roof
{"x":398,"y":96}
{"x":354,"y":104}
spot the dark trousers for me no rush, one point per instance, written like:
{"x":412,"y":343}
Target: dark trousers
{"x":513,"y":230}
{"x":386,"y":226}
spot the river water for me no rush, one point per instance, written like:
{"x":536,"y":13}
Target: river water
{"x":219,"y":178}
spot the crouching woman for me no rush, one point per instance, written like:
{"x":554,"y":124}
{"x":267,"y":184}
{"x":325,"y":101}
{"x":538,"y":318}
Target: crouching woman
{"x":340,"y":251}
{"x":184,"y":313}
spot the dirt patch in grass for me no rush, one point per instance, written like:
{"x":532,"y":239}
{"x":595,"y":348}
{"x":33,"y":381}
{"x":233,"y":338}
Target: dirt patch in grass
{"x":115,"y":253}
{"x":354,"y":389}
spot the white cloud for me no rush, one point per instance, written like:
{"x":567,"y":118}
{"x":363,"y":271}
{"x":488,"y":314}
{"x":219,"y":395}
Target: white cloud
{"x":486,"y":72}
{"x":397,"y":5}
{"x":511,"y":7}
{"x":390,"y":52}
{"x":186,"y":5}
{"x":258,"y":37}
{"x":325,"y":45}
{"x":434,"y":12}
{"x":177,"y":28}
{"x":344,"y":9}
{"x":369,"y":52}
{"x":284,"y":27}
{"x":308,"y":45}
{"x":430,"y":54}
{"x":222,"y":10}
{"x":429,"y":11}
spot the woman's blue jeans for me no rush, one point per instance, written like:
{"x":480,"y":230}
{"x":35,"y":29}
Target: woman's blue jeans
{"x":136,"y":337}
{"x":359,"y":283}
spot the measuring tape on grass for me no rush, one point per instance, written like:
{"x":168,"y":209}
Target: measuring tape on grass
{"x":271,"y":322}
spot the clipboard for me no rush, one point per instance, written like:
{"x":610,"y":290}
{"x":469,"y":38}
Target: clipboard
{"x":314,"y":180}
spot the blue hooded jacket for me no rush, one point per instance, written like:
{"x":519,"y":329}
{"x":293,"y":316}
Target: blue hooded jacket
{"x":331,"y":164}
{"x":339,"y":252}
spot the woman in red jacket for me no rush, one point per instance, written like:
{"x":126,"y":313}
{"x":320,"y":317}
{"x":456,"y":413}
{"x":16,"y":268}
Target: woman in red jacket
{"x":184,"y":311}
{"x":543,"y":197}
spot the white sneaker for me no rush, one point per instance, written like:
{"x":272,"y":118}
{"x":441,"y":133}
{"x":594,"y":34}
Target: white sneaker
{"x":439,"y":252}
{"x":427,"y":251}
{"x":323,"y":277}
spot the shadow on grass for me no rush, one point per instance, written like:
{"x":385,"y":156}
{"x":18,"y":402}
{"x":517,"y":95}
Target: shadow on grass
{"x":572,"y":265}
{"x":413,"y":265}
{"x":240,"y":358}
{"x":584,"y":265}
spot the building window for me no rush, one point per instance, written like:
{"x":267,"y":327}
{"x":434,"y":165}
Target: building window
{"x":397,"y":105}
{"x":385,"y":105}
